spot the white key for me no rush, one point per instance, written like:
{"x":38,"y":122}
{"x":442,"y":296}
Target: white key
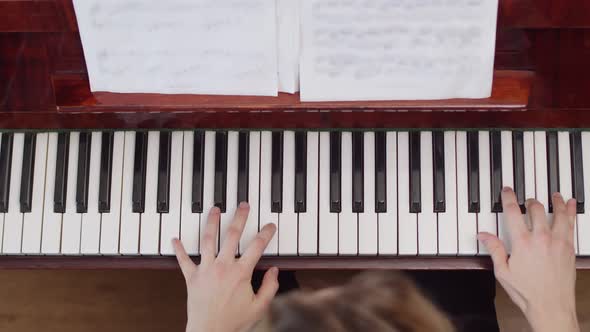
{"x":467,"y":222}
{"x":447,"y":221}
{"x":110,"y":222}
{"x":1,"y":217}
{"x":507,"y":181}
{"x":427,"y":223}
{"x":486,"y":219}
{"x":189,"y":221}
{"x":150,"y":219}
{"x":529,"y":164}
{"x":13,"y":220}
{"x":90,"y":238}
{"x":407,"y":222}
{"x":72,"y":220}
{"x":251,"y":228}
{"x":308,"y":220}
{"x":288,"y":218}
{"x":33,"y":221}
{"x":388,"y":220}
{"x":129,"y":239}
{"x":208,"y":182}
{"x":51,"y":233}
{"x":328,"y":221}
{"x":565,"y":172}
{"x":348,"y":221}
{"x":584,"y":219}
{"x":231,"y":184}
{"x":170,"y":225}
{"x":367,"y":227}
{"x":541,"y":185}
{"x":266,"y":214}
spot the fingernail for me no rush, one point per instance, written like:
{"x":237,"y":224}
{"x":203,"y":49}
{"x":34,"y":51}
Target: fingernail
{"x":556,"y":195}
{"x":215,"y":210}
{"x":244,"y":205}
{"x":506,"y":189}
{"x":274,"y":271}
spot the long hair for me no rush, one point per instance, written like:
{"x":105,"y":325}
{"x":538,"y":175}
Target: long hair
{"x":371,"y":301}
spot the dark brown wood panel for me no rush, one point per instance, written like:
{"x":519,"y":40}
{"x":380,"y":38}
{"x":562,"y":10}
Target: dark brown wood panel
{"x":58,"y":15}
{"x":544,"y":13}
{"x":283,"y":263}
{"x":25,"y":81}
{"x":178,"y":119}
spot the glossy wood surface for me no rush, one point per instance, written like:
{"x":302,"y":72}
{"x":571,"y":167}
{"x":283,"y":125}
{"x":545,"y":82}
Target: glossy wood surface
{"x":542,"y":64}
{"x":283,"y":263}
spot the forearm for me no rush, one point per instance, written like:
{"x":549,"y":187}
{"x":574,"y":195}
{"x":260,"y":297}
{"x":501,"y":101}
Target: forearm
{"x":549,"y":321}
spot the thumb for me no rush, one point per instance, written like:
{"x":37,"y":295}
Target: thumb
{"x":497,"y":251}
{"x":268,"y":289}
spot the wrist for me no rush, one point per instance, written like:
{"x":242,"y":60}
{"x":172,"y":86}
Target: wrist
{"x":545,"y":319}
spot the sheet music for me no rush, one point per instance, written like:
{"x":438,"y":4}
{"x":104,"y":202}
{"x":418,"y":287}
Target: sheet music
{"x":289,"y":42}
{"x":397,"y":49}
{"x":180,"y":46}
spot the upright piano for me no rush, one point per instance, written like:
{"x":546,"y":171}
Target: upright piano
{"x":103,"y":180}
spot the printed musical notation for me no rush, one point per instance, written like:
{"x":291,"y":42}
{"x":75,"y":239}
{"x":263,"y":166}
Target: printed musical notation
{"x":180,"y":46}
{"x":397,"y":49}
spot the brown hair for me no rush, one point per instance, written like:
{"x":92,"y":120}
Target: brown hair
{"x":369,"y":302}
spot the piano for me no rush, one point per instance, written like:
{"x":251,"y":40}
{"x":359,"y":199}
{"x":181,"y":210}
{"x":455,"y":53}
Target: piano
{"x":104,"y":180}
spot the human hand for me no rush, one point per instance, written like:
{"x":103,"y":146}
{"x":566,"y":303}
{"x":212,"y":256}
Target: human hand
{"x":220,"y":295}
{"x":540,"y":275}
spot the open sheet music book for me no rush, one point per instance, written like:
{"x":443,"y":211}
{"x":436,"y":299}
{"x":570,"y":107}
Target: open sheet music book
{"x":330,"y":50}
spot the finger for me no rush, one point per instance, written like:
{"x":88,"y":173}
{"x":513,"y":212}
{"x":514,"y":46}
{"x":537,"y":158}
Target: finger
{"x":234,"y":233}
{"x":514,"y":219}
{"x":256,"y":248}
{"x":537,"y":215}
{"x":564,"y":218}
{"x":184,"y":261}
{"x":209,"y":238}
{"x":268,"y":290}
{"x":497,"y":251}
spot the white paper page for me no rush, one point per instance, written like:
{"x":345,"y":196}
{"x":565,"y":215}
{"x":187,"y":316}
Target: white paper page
{"x":180,"y":46}
{"x":289,"y":42}
{"x":397,"y":49}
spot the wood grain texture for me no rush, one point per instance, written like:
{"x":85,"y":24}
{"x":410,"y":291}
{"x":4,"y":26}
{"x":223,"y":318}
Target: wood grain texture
{"x":129,"y":301}
{"x":285,"y":263}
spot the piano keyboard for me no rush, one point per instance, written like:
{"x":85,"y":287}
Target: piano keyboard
{"x":330,"y":193}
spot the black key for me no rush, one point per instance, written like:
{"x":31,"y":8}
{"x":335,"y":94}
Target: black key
{"x":220,"y":187}
{"x":198,"y":171}
{"x":83,"y":172}
{"x":300,"y":172}
{"x":163,"y":204}
{"x":61,"y":173}
{"x":27,"y":178}
{"x":438,"y":159}
{"x":5,"y":168}
{"x":380,"y":172}
{"x":139,"y":168}
{"x":276,"y":191}
{"x":106,"y":171}
{"x":415,"y":179}
{"x":496,"y":170}
{"x":518,"y":160}
{"x":358,"y":172}
{"x":243,"y":166}
{"x":473,"y":171}
{"x":552,"y":166}
{"x":335,"y":172}
{"x":577,"y":171}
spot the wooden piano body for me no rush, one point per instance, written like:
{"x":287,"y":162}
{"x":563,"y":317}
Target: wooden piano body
{"x":542,"y":80}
